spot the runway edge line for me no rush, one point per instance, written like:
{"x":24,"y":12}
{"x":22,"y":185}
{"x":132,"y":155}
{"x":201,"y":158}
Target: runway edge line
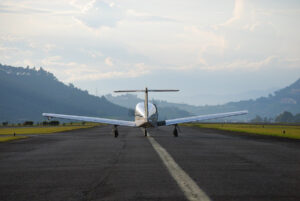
{"x":188,"y":186}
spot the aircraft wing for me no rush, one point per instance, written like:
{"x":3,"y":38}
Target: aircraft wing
{"x":92,"y":119}
{"x":203,"y":117}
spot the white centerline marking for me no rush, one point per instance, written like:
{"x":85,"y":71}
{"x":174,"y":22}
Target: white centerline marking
{"x":188,"y":186}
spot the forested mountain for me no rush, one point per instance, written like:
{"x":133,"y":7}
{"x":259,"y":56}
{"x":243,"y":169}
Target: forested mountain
{"x":27,"y":93}
{"x":286,"y":99}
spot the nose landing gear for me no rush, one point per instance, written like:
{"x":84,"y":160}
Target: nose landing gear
{"x":145,"y":132}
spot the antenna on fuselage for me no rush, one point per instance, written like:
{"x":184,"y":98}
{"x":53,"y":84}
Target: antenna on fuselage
{"x":146,"y":104}
{"x":146,"y":95}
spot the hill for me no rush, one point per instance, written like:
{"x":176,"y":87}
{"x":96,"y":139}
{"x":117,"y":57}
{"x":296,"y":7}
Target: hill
{"x":27,"y":93}
{"x":286,"y":99}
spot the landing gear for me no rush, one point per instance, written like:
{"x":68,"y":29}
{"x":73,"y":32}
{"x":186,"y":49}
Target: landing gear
{"x":175,"y":131}
{"x":115,"y":131}
{"x":145,"y":132}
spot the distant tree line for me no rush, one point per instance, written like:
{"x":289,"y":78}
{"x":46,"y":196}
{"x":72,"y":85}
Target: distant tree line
{"x":31,"y":123}
{"x":50,"y":123}
{"x":28,"y":123}
{"x":44,"y":123}
{"x":285,"y":117}
{"x":288,"y":117}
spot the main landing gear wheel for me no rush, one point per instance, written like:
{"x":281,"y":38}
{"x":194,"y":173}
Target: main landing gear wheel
{"x":175,"y":131}
{"x":116,"y":133}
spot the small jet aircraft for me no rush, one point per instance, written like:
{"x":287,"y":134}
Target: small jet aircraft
{"x":146,"y":116}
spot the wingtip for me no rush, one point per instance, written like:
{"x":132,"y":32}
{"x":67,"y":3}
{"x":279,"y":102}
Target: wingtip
{"x":244,"y":112}
{"x":45,"y":114}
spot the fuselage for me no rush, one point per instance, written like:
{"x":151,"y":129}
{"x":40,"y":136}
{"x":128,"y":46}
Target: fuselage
{"x":146,"y":120}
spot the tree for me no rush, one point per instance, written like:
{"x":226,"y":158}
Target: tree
{"x":285,"y":117}
{"x":257,"y":119}
{"x":54,"y":123}
{"x":297,"y":118}
{"x":28,"y":123}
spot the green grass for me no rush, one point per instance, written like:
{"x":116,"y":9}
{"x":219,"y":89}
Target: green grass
{"x":40,"y":130}
{"x":61,"y":124}
{"x":5,"y":139}
{"x":287,"y":131}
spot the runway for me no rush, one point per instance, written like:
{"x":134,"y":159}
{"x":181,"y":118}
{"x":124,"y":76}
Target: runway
{"x":91,"y":164}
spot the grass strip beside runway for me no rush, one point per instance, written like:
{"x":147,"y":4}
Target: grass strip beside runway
{"x":40,"y":130}
{"x":287,"y":131}
{"x":5,"y":139}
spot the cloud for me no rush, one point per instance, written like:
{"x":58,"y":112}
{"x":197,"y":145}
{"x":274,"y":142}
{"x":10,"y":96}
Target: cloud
{"x":98,"y":14}
{"x":243,"y":64}
{"x":238,"y":12}
{"x":137,"y":39}
{"x":80,"y":73}
{"x":73,"y":71}
{"x":108,"y":61}
{"x":195,"y":45}
{"x":17,"y":9}
{"x":36,"y":8}
{"x":143,"y":16}
{"x":53,"y":61}
{"x":246,"y":15}
{"x":49,"y":47}
{"x":12,"y":54}
{"x":95,"y":54}
{"x":252,"y":65}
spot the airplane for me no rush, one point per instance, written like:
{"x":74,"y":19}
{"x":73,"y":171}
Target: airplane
{"x":146,"y":115}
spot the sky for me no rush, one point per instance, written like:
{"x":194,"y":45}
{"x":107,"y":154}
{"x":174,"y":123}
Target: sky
{"x":212,"y":51}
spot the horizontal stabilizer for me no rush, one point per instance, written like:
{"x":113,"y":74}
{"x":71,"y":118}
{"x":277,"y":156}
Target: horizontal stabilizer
{"x":148,"y":90}
{"x":163,"y":90}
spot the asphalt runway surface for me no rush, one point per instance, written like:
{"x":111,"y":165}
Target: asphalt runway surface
{"x":90,"y":164}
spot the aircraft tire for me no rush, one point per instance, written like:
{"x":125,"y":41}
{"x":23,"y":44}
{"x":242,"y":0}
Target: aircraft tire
{"x":116,"y":134}
{"x":175,"y":132}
